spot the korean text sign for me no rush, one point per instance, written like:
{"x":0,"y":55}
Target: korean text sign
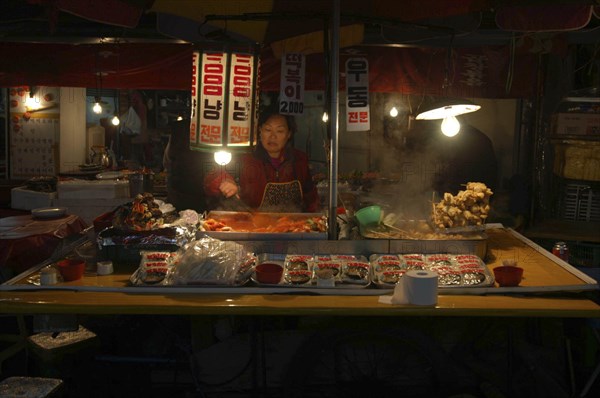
{"x":291,"y":93}
{"x":222,"y":99}
{"x":357,"y":95}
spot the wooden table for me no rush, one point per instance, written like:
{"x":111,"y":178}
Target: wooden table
{"x":551,"y":288}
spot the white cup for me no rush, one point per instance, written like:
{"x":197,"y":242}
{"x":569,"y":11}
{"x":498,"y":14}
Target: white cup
{"x":48,"y":276}
{"x":104,"y":267}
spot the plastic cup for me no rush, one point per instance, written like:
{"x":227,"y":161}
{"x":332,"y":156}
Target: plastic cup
{"x":508,"y":275}
{"x":104,"y":267}
{"x":268,"y":273}
{"x":71,"y":269}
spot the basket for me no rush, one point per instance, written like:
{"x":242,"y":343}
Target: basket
{"x":580,"y":201}
{"x":583,"y":254}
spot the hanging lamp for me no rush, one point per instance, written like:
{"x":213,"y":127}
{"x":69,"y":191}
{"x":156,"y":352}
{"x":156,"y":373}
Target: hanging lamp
{"x":447,"y":108}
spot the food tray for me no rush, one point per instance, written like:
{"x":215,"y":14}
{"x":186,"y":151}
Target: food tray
{"x":243,"y":224}
{"x":454,"y":270}
{"x":422,"y":230}
{"x":417,"y":236}
{"x":301,"y":271}
{"x":157,"y":268}
{"x":125,"y":245}
{"x":468,"y":229}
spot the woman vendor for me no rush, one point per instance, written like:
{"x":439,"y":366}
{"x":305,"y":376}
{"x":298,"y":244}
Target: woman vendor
{"x":273,"y":178}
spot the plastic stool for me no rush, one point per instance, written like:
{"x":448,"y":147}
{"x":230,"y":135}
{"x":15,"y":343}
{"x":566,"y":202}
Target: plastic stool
{"x":29,"y":387}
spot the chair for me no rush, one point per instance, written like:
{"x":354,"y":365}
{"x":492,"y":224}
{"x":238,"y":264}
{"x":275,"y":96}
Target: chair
{"x":595,"y":326}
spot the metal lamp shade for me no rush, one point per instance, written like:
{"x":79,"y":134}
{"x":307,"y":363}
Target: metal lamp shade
{"x":447,"y":107}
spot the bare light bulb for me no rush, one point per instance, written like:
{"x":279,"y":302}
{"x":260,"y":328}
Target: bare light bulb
{"x":325,"y":117}
{"x":222,"y":157}
{"x":393,"y":112}
{"x":97,"y":108}
{"x":31,"y":103}
{"x":115,"y":120}
{"x":450,"y":126}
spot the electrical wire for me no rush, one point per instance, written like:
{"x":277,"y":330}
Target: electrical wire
{"x":511,"y":65}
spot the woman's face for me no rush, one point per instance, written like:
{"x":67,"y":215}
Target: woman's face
{"x":274,"y":134}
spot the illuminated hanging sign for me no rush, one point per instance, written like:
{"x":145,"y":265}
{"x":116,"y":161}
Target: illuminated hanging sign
{"x":357,"y":95}
{"x":291,"y":94}
{"x":222,"y":100}
{"x":241,"y":82}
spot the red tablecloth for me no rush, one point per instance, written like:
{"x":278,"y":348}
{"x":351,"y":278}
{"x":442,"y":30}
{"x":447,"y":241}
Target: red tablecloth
{"x":25,"y":241}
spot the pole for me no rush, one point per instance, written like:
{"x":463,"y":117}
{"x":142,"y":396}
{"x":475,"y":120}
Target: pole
{"x":333,"y":118}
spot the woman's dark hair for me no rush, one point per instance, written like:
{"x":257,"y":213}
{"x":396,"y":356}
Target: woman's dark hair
{"x":291,"y":122}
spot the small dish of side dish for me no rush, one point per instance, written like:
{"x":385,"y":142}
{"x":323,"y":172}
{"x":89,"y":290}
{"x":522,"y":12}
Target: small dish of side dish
{"x":48,"y":212}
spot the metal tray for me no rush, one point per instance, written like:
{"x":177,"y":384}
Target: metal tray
{"x":455,"y":270}
{"x":417,"y":236}
{"x":261,"y":220}
{"x":282,"y":259}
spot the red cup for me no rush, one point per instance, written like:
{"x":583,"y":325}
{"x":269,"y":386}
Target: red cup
{"x":268,"y":273}
{"x":508,"y":276}
{"x":71,"y":269}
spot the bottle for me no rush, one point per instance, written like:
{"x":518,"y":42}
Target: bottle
{"x":561,"y":250}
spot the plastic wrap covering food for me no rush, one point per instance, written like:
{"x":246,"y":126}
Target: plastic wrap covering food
{"x":320,"y":270}
{"x":454,"y":270}
{"x":125,"y":245}
{"x":210,"y":261}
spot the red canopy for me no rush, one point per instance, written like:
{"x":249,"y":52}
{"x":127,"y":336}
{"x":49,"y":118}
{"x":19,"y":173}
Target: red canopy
{"x":481,"y":70}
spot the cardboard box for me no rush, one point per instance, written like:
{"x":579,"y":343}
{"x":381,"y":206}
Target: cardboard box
{"x":24,"y":199}
{"x":89,"y":209}
{"x":93,"y":189}
{"x":577,"y":160}
{"x":576,"y":124}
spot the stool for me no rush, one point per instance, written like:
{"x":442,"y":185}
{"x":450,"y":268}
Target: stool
{"x":29,"y":387}
{"x":56,"y":350}
{"x":595,"y":326}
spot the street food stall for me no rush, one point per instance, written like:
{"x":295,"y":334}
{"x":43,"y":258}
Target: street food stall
{"x":352,"y":260}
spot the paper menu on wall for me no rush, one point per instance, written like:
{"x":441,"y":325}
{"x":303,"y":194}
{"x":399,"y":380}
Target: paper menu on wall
{"x":33,"y":147}
{"x":34,"y":131}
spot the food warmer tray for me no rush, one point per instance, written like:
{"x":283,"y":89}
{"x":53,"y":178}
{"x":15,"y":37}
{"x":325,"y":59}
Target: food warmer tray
{"x":247,"y":220}
{"x":417,"y":236}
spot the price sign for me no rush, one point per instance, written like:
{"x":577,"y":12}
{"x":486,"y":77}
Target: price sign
{"x":194,"y":105}
{"x":241,"y":81}
{"x":222,"y":108}
{"x":291,"y":95}
{"x":357,"y":95}
{"x":212,"y":97}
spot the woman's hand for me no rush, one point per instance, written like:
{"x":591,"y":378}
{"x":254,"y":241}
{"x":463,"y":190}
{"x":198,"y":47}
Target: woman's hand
{"x":228,"y":188}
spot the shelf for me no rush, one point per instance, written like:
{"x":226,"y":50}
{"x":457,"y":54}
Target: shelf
{"x":565,"y":230}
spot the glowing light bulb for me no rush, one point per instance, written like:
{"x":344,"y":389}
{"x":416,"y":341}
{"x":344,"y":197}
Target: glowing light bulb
{"x":450,"y":126}
{"x":31,"y":103}
{"x":393,"y":112}
{"x":325,"y":117}
{"x":97,"y":108}
{"x":222,"y":157}
{"x":115,"y":120}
